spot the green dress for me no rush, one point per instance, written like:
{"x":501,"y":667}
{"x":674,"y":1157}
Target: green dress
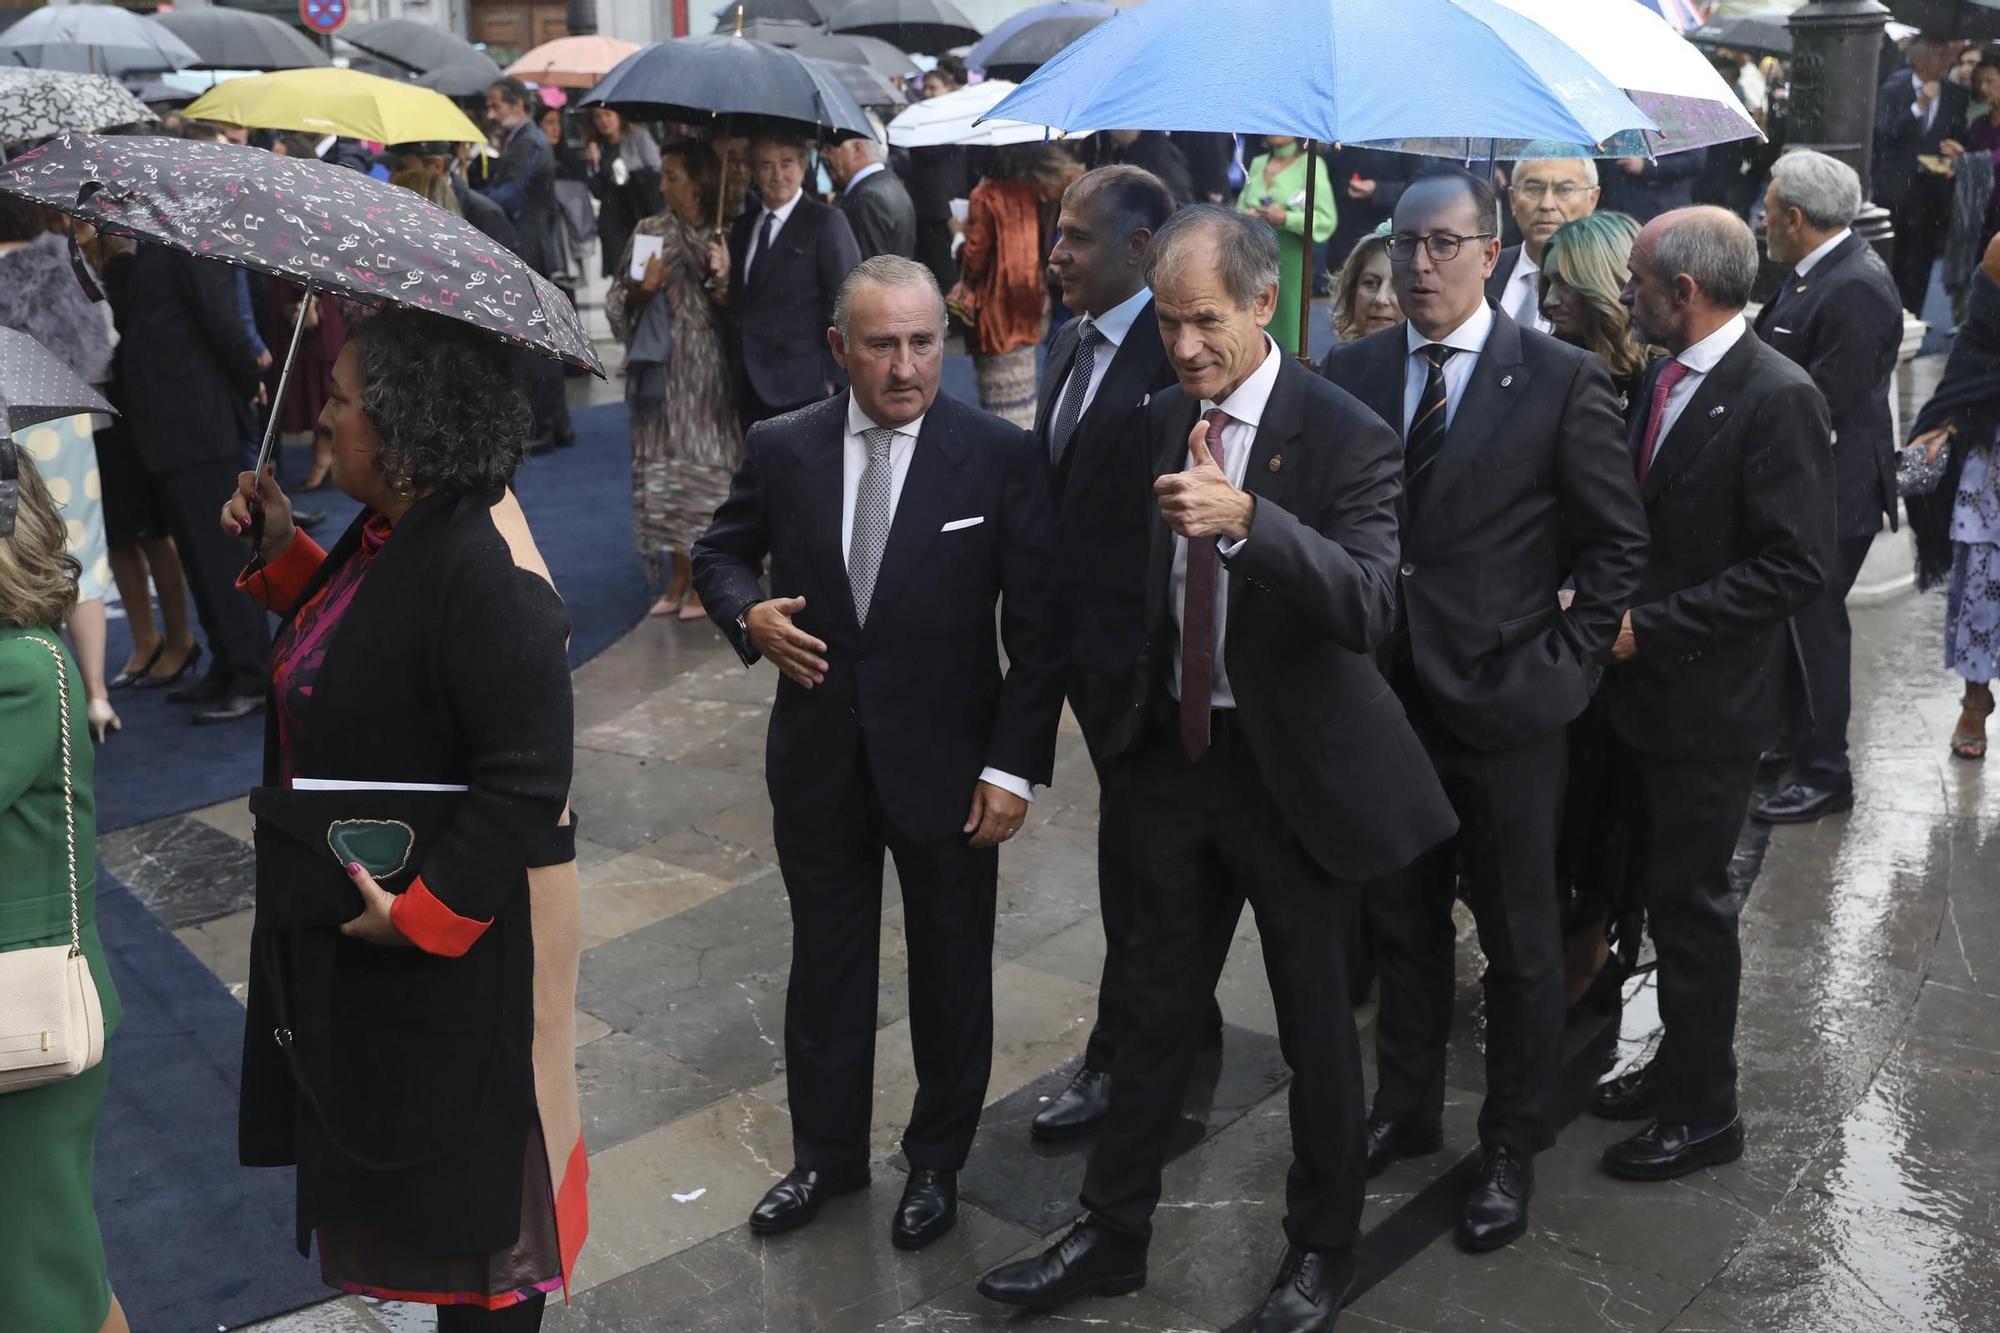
{"x":52,"y":1274}
{"x":1289,"y":189}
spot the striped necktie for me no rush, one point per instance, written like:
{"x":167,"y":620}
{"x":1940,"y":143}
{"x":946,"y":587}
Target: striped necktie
{"x":1427,"y":427}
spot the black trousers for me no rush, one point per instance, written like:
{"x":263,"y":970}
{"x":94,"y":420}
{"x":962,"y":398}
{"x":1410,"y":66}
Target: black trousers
{"x":1923,"y":220}
{"x":1823,"y":701}
{"x":1686,"y":815}
{"x":238,"y":632}
{"x":1210,"y":839}
{"x":1509,"y":805}
{"x":833,"y":876}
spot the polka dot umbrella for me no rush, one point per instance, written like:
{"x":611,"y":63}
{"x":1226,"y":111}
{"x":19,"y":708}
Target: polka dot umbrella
{"x":35,"y":386}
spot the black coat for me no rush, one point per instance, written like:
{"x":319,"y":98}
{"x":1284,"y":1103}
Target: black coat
{"x":523,"y":183}
{"x":1740,"y":500}
{"x":1843,"y":322}
{"x":1496,"y":281}
{"x":1662,"y":185}
{"x":448,"y":666}
{"x":1900,"y":137}
{"x":883,"y":219}
{"x":1209,"y":157}
{"x":1156,"y":153}
{"x":782,"y":314}
{"x":185,"y":369}
{"x":1391,"y":173}
{"x":1531,"y":490}
{"x":1312,"y":594}
{"x":919,"y":688}
{"x":1104,"y":518}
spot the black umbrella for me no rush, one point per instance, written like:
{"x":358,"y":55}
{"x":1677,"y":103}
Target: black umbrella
{"x":1978,"y":20}
{"x":795,"y":11}
{"x":1029,"y":48}
{"x":1763,"y":33}
{"x":696,"y":79}
{"x":851,"y":48}
{"x":37,"y":385}
{"x":241,"y":39}
{"x":870,"y":89}
{"x":413,"y":45}
{"x":461,"y":78}
{"x":787,"y":33}
{"x":911,"y":25}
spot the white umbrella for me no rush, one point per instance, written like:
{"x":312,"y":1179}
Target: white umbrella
{"x":949,"y":120}
{"x":1665,"y":75}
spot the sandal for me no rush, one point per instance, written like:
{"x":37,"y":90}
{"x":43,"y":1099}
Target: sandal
{"x":1967,"y":743}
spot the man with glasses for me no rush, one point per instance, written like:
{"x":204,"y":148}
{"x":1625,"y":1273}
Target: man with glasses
{"x":1514,"y":485}
{"x":1546,"y":193}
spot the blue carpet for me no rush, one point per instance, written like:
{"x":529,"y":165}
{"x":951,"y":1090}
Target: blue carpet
{"x":194,"y":1241}
{"x":579,"y":503}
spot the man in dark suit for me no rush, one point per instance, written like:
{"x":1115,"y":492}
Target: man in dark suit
{"x":897,"y":523}
{"x":1544,"y":194}
{"x":523,"y":184}
{"x":1105,"y":366}
{"x":1645,"y":187}
{"x":872,"y":197}
{"x":1735,"y":463}
{"x":187,"y":376}
{"x":1838,"y":316}
{"x":787,"y":259}
{"x":1514,"y":487}
{"x":481,"y":212}
{"x":1210,"y":157}
{"x":1270,"y":763}
{"x":1915,"y":112}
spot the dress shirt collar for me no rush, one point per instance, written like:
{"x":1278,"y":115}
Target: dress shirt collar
{"x":1805,"y":266}
{"x":783,"y":215}
{"x":1116,"y":322}
{"x":1467,"y":337}
{"x":1524,"y":264}
{"x":1705,"y":355}
{"x":861,"y":176}
{"x":1247,"y":403}
{"x":859,"y":421}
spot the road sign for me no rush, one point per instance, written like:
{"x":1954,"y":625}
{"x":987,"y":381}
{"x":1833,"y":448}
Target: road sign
{"x":323,"y":15}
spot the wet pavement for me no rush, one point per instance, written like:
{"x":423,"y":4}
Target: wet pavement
{"x":1868,"y":1198}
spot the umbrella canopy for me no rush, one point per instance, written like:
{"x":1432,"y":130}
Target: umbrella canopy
{"x":1976,"y":19}
{"x":1322,"y":69}
{"x":794,"y":11}
{"x":850,"y":48}
{"x":337,"y":101}
{"x":153,"y":93}
{"x":461,"y":78}
{"x":37,"y":385}
{"x":1032,"y":45}
{"x":1684,"y":15}
{"x":571,"y":62}
{"x":1766,"y":34}
{"x":954,"y":118}
{"x":35,"y":103}
{"x":93,"y":39}
{"x":241,"y":39}
{"x":911,"y":25}
{"x":413,"y":45}
{"x":868,"y":88}
{"x":698,"y":78}
{"x":307,"y":221}
{"x":787,"y":33}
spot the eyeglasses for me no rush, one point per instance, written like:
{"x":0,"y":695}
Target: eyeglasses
{"x":1535,"y":191}
{"x":1443,"y":246}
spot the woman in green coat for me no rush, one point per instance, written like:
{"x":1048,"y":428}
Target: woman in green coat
{"x":1274,"y":189}
{"x":52,"y":1275}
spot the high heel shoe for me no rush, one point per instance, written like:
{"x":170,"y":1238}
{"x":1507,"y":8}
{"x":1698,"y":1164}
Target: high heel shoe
{"x":103,"y":719}
{"x":153,"y":682}
{"x":128,"y":676}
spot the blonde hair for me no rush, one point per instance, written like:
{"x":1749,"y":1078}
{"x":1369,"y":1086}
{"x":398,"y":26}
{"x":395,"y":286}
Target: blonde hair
{"x":1347,"y":282}
{"x":1590,"y":256}
{"x":37,"y":573}
{"x":432,"y":185}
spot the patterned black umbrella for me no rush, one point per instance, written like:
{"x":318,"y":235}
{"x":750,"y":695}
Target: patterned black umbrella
{"x":36,"y":385}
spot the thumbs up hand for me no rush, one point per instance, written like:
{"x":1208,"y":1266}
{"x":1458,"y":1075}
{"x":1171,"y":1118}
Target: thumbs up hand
{"x":1200,"y":502}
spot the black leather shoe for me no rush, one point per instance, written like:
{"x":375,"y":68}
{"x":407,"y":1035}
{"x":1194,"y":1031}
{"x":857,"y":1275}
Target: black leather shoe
{"x":1797,"y":803}
{"x":1663,"y":1152}
{"x":1391,"y":1140}
{"x":1077,"y":1110}
{"x":795,"y":1200}
{"x":124,"y":678}
{"x":928,"y":1210}
{"x":1092,"y":1260}
{"x":1630,"y":1096}
{"x":1306,"y":1296}
{"x":1496,"y":1212}
{"x":1773,"y":762}
{"x":229,"y":708}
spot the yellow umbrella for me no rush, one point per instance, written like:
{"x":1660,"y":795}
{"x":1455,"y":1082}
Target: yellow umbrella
{"x":337,"y":101}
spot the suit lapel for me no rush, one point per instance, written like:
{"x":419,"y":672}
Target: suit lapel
{"x":1498,"y":380}
{"x":1127,"y":381}
{"x":1282,"y":423}
{"x":1706,"y":413}
{"x":929,"y":491}
{"x":1381,"y":383}
{"x":1062,"y":357}
{"x":821,"y":465}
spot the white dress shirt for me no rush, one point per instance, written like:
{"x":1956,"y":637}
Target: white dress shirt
{"x":860,"y":176}
{"x":752,"y":256}
{"x":853,"y":462}
{"x":1246,"y":411}
{"x":1113,"y":325}
{"x":1701,"y":358}
{"x":1470,"y":339}
{"x":1522,"y":297}
{"x":1806,"y":265}
{"x":1926,"y":114}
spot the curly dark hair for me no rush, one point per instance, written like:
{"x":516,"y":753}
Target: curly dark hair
{"x":444,"y":399}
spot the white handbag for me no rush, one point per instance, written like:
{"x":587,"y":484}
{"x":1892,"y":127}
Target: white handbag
{"x":51,"y":1024}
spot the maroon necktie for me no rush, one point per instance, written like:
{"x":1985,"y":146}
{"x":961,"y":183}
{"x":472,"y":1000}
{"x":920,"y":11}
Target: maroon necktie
{"x":1670,"y":374}
{"x":1198,"y":618}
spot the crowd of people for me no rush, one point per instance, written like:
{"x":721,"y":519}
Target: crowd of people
{"x":1511,"y":602}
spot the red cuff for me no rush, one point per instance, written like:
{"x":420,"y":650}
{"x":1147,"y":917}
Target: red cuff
{"x":427,"y":923}
{"x":277,"y":586}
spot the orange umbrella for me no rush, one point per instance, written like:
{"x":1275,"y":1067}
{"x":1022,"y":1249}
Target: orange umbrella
{"x":571,"y":62}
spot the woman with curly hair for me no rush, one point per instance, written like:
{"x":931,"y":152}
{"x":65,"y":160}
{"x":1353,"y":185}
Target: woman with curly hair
{"x":428,"y":646}
{"x":1584,"y":267}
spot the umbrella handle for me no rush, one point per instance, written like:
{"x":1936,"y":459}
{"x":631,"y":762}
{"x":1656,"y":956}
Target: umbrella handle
{"x":271,"y":434}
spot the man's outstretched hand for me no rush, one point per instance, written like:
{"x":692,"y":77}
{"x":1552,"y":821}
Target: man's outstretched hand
{"x":791,"y":649}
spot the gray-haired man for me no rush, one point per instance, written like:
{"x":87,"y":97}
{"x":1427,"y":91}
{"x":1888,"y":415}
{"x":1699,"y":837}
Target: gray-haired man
{"x":872,"y":196}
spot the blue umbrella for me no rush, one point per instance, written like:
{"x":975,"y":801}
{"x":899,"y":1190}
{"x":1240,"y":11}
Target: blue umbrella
{"x":1450,"y":75}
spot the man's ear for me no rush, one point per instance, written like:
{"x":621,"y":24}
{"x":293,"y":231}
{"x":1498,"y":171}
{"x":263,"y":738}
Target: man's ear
{"x":838,"y":345}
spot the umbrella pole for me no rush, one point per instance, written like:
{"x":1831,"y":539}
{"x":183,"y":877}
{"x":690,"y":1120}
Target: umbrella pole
{"x":1306,"y":255}
{"x":271,"y":432}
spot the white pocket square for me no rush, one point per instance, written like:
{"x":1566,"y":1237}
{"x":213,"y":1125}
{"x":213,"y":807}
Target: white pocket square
{"x":958,"y":523}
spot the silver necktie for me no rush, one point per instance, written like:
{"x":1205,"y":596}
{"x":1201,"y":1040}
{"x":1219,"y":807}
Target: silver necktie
{"x":870,"y":534}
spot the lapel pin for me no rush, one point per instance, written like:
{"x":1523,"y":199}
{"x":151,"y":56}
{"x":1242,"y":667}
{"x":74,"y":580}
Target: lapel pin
{"x":1277,"y":461}
{"x":1146,"y":400}
{"x":1800,"y":288}
{"x":1717,"y":410}
{"x":1506,"y":381}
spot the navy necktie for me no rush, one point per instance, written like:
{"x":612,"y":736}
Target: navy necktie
{"x":764,"y":235}
{"x":1427,"y":427}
